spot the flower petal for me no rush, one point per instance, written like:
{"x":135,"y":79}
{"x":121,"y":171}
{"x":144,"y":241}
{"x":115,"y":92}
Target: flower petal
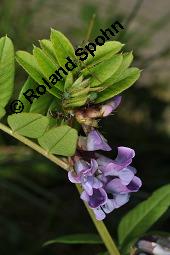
{"x":111,"y":167}
{"x":121,"y":199}
{"x":73,"y":177}
{"x":135,"y":184}
{"x":109,"y":206}
{"x":110,"y":106}
{"x":98,"y":198}
{"x":116,"y":186}
{"x":88,"y":188}
{"x":100,"y":215}
{"x":94,"y":166}
{"x":80,"y":165}
{"x":97,"y":183}
{"x":126,"y":175}
{"x":95,"y":141}
{"x":84,"y":196}
{"x":124,"y":156}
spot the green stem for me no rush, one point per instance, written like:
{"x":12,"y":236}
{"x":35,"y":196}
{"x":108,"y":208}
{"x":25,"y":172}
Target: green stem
{"x":35,"y":147}
{"x":90,"y":28}
{"x":102,"y":230}
{"x":100,"y":226}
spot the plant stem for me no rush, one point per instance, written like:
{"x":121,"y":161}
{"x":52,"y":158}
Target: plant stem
{"x":90,"y":27}
{"x":100,"y":226}
{"x":102,"y":230}
{"x":35,"y":147}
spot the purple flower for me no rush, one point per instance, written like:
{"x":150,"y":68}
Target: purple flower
{"x":101,"y":204}
{"x":106,"y":183}
{"x":84,"y":174}
{"x":124,"y":180}
{"x":110,"y":106}
{"x":95,"y":141}
{"x":111,"y":167}
{"x":98,"y":198}
{"x":116,"y":186}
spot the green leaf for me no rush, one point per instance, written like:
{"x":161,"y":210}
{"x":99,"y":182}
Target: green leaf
{"x":29,"y":84}
{"x":76,"y":239}
{"x":2,"y":111}
{"x":132,"y":75}
{"x":56,"y":105}
{"x":46,"y":65}
{"x":104,"y":52}
{"x":76,"y":102}
{"x":48,"y":49}
{"x":29,"y":63}
{"x":42,"y":104}
{"x":32,"y":125}
{"x":60,"y":140}
{"x":142,"y":217}
{"x":101,"y":72}
{"x":62,"y":47}
{"x":68,"y":81}
{"x":121,"y":71}
{"x":7,"y":70}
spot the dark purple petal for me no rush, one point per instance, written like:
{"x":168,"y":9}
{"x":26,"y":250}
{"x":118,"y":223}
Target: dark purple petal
{"x":95,"y":141}
{"x":98,"y":198}
{"x":135,"y":184}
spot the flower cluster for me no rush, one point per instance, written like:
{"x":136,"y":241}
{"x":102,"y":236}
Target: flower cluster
{"x":106,"y":183}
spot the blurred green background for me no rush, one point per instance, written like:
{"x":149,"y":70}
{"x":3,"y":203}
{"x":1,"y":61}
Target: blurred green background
{"x":37,"y":203}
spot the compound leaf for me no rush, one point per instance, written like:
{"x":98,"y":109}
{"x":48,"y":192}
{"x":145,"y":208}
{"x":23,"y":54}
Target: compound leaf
{"x":42,"y":104}
{"x":132,"y":75}
{"x":62,"y":47}
{"x":7,"y":70}
{"x":101,"y":72}
{"x":46,"y":65}
{"x":29,"y":63}
{"x":60,"y":140}
{"x":104,"y":52}
{"x":48,"y":49}
{"x":32,"y":125}
{"x":121,"y":72}
{"x":29,"y":84}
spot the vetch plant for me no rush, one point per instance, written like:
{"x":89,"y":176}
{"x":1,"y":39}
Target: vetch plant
{"x":65,"y":122}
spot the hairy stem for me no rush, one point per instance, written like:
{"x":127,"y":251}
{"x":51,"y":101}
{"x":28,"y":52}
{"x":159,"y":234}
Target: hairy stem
{"x":100,"y":226}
